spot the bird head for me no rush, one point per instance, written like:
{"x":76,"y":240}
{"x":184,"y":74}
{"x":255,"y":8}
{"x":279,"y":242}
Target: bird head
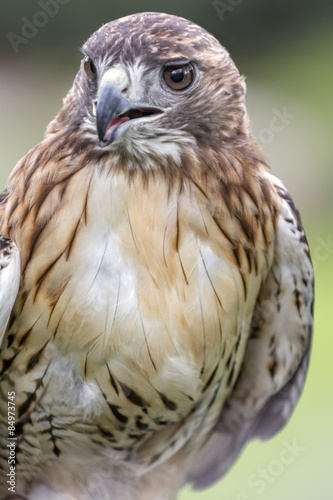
{"x":153,"y":78}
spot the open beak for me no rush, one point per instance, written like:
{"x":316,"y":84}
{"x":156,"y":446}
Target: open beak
{"x":114,"y":113}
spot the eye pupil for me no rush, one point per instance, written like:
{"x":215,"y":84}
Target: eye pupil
{"x":178,"y":77}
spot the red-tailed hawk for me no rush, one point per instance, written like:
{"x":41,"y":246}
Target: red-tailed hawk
{"x":156,"y":287}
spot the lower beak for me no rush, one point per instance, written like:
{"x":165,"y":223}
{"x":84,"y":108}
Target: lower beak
{"x":113,"y":110}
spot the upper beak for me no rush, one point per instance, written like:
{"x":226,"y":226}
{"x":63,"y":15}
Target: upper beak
{"x":112,"y":110}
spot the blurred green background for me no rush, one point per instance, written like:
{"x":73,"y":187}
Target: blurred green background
{"x":285,"y":49}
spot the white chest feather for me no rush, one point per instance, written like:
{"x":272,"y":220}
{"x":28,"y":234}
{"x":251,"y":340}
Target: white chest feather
{"x":149,"y":293}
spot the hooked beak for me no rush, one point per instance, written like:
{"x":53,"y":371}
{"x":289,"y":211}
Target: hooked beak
{"x":113,"y":111}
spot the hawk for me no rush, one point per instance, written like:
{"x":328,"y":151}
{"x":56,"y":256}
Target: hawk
{"x":156,"y":283}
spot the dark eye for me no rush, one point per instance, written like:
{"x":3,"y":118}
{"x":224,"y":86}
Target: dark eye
{"x":179,"y":77}
{"x":90,"y":68}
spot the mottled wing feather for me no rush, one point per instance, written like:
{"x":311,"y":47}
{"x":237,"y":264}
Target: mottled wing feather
{"x":277,"y":354}
{"x":280,"y":407}
{"x":10,"y":276}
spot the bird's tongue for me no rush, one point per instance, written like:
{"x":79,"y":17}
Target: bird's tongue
{"x":114,"y":123}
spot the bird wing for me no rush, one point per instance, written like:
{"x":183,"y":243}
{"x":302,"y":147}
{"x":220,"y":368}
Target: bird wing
{"x":10,"y":276}
{"x":277,"y":354}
